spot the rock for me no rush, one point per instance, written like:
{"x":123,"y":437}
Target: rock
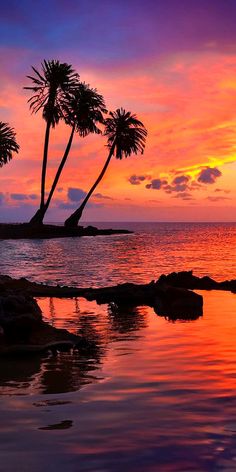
{"x":178,"y":303}
{"x":42,"y":231}
{"x":186,"y":279}
{"x":22,"y":328}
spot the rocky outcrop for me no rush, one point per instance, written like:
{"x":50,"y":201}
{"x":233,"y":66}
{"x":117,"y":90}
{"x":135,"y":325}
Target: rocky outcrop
{"x":171,"y":296}
{"x":167,"y":301}
{"x":22,"y":328}
{"x":186,"y":279}
{"x":28,"y":231}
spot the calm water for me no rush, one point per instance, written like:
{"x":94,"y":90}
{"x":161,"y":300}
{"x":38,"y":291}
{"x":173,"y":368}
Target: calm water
{"x":154,"y":395}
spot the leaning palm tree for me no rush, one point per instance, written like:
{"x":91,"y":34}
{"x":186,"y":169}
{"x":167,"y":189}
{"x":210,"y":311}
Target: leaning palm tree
{"x":8,"y":143}
{"x":126,"y":136}
{"x":82,"y":110}
{"x":49,"y":88}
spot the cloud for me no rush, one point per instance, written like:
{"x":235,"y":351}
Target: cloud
{"x":105,"y":197}
{"x":222,"y":190}
{"x":19,"y":196}
{"x":136,"y":179}
{"x":76,"y":194}
{"x":157,"y":184}
{"x":74,"y":206}
{"x":184,"y":196}
{"x":181,"y":179}
{"x":1,"y":198}
{"x":23,"y":196}
{"x":217,"y":199}
{"x":209,"y":175}
{"x":179,"y":184}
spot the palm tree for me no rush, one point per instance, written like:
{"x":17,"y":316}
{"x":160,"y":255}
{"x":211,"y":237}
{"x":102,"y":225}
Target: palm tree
{"x":82,"y":110}
{"x":8,"y":143}
{"x":126,"y":136}
{"x":49,"y":88}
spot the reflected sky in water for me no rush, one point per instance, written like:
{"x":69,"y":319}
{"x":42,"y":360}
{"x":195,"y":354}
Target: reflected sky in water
{"x":152,"y":395}
{"x":153,"y":392}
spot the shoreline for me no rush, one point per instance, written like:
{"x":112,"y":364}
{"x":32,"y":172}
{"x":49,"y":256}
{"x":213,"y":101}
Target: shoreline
{"x":47,"y":231}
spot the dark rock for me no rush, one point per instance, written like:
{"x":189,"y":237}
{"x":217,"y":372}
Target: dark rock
{"x":186,"y":279}
{"x":178,"y":303}
{"x":30,"y":231}
{"x":22,"y":328}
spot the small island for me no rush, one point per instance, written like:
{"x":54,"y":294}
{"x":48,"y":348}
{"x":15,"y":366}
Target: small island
{"x":45,"y":231}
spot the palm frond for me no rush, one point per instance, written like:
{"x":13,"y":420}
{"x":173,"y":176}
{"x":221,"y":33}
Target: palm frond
{"x":126,"y":131}
{"x":8,"y":144}
{"x":84,"y":108}
{"x":49,"y":87}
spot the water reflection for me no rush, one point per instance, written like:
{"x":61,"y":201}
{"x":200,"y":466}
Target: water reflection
{"x":126,"y":320}
{"x":166,"y":402}
{"x":66,"y":424}
{"x":63,"y":372}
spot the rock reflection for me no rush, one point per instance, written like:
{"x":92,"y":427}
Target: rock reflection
{"x":61,"y":372}
{"x":127,"y":319}
{"x":66,"y":424}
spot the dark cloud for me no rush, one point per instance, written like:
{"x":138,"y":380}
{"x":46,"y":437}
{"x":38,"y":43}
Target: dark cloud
{"x":136,"y":179}
{"x":74,"y":206}
{"x":209,"y":175}
{"x":76,"y":194}
{"x":157,"y":184}
{"x":23,"y":196}
{"x":1,"y":198}
{"x":105,"y":197}
{"x":180,"y":180}
{"x":19,"y":196}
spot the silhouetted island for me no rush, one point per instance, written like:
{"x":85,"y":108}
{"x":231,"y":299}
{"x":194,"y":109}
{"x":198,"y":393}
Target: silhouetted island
{"x":43,"y":231}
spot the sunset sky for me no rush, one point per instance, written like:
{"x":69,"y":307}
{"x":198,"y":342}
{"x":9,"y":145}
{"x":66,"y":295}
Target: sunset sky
{"x":172,"y":62}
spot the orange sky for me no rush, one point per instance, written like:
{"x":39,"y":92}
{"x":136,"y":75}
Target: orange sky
{"x":187,"y":101}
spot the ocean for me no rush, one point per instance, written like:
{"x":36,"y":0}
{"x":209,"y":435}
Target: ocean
{"x":155,"y":395}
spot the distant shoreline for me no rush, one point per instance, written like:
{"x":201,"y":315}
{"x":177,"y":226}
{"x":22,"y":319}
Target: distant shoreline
{"x":27,"y":231}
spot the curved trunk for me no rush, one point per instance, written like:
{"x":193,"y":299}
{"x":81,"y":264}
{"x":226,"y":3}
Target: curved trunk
{"x":44,"y":166}
{"x":36,"y":219}
{"x":73,"y":219}
{"x":39,"y":215}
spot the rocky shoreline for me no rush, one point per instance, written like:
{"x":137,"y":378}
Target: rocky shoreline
{"x":27,"y":231}
{"x":22,"y":328}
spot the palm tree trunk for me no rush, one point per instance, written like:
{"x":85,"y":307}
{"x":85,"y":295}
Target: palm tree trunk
{"x":36,"y":219}
{"x":44,"y":166}
{"x":73,"y":219}
{"x":41,"y":212}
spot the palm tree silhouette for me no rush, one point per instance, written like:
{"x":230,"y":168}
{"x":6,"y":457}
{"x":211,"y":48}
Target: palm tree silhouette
{"x":8,"y":143}
{"x":82,"y":110}
{"x":49,"y":88}
{"x":126,"y":136}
